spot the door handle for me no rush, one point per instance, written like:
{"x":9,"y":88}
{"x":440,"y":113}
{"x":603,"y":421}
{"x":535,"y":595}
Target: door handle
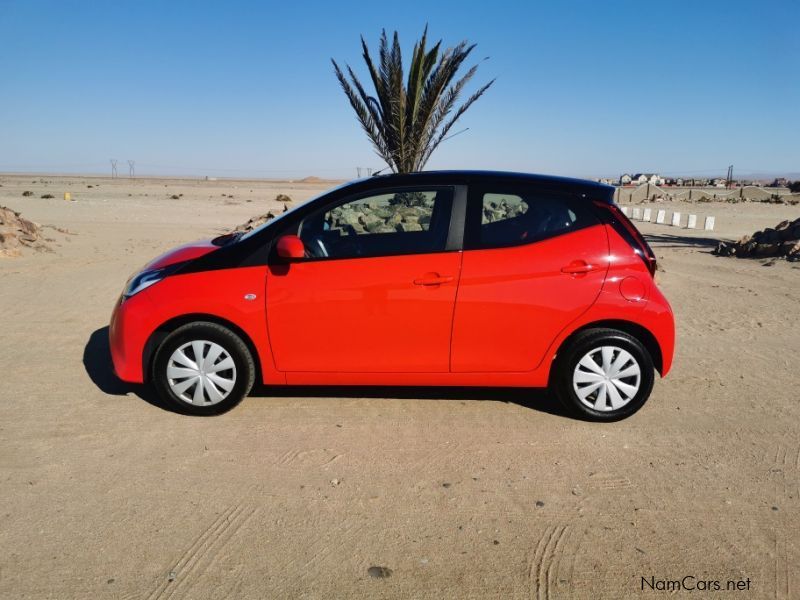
{"x":433,"y":279}
{"x":579,"y":267}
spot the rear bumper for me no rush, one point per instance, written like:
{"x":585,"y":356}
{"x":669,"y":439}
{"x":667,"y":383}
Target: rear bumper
{"x":127,"y":335}
{"x":659,"y":320}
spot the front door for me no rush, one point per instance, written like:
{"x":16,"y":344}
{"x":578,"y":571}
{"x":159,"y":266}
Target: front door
{"x":376,"y":290}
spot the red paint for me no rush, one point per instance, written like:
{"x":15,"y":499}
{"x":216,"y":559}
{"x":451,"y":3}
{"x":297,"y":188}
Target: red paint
{"x":513,"y":301}
{"x":290,"y":246}
{"x":632,"y":289}
{"x":384,"y":314}
{"x":180,"y":254}
{"x":480,"y":317}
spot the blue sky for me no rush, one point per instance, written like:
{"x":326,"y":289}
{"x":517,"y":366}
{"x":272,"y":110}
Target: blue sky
{"x":246,"y":88}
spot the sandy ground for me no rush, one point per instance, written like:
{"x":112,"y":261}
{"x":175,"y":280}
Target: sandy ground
{"x":461,"y":493}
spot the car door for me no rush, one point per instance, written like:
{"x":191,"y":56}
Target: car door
{"x":534,"y":260}
{"x":376,"y":290}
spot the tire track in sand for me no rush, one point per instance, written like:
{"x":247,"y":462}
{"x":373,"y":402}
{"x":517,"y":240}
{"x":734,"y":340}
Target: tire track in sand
{"x":544,"y":566}
{"x":202,"y":552}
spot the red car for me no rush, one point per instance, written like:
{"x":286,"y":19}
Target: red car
{"x":462,"y":278}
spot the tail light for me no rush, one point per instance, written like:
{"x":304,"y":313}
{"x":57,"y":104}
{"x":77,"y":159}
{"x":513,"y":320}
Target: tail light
{"x":627,"y":230}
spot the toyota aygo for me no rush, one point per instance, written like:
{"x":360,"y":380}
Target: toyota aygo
{"x":462,"y":278}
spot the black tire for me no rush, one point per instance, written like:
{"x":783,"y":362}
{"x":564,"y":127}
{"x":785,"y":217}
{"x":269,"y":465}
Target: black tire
{"x":592,"y":340}
{"x":208,"y":332}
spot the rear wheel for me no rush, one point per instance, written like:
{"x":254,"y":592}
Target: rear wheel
{"x":603,"y":375}
{"x":203,"y":368}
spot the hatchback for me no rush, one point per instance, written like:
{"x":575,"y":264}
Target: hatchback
{"x":461,"y":278}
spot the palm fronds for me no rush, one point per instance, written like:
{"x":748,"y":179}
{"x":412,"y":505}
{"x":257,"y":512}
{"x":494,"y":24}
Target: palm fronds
{"x":408,"y":117}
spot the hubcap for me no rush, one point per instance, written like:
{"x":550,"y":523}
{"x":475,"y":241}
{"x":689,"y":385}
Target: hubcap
{"x":201,"y":373}
{"x":606,"y":378}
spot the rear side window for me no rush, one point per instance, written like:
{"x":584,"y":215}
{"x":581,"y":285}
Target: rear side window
{"x":500,"y":218}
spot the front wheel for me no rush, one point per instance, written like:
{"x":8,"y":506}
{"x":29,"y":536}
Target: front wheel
{"x":203,"y":369}
{"x":603,"y":375}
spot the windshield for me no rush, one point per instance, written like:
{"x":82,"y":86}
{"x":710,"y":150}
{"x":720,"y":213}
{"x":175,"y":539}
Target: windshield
{"x":281,"y":216}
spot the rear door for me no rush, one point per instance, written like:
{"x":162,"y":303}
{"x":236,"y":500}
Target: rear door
{"x":534,"y":260}
{"x":377,"y":289}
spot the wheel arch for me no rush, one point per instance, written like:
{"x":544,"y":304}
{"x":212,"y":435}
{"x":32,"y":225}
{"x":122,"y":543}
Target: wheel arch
{"x":163,"y":330}
{"x":641,"y":333}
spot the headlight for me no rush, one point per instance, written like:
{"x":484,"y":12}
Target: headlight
{"x":142,"y":281}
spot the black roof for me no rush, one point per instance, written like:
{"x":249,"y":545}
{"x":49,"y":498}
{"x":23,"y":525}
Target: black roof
{"x":593,"y":188}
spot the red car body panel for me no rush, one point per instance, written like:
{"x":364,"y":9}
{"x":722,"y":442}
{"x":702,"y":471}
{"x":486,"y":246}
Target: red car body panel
{"x":489,"y":317}
{"x":212,"y":295}
{"x":363,"y":314}
{"x":181,"y":254}
{"x":513,"y":301}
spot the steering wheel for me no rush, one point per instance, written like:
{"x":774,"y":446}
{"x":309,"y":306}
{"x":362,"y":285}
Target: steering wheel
{"x":315,"y":248}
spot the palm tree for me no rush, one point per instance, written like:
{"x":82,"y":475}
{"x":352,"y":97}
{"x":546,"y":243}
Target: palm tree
{"x":407,"y":122}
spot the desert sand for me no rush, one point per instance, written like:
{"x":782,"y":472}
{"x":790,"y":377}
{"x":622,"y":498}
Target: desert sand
{"x":478,"y":493}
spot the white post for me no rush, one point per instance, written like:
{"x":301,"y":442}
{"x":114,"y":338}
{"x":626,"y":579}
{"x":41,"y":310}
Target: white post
{"x":709,"y":226}
{"x":624,"y":210}
{"x":637,"y":214}
{"x":646,"y":215}
{"x":692,"y":222}
{"x":676,"y":219}
{"x":660,"y":216}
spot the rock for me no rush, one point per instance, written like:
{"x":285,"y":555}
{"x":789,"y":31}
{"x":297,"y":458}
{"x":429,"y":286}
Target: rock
{"x":254,"y":223}
{"x":724,"y":249}
{"x":379,"y":572}
{"x":793,"y":253}
{"x":282,"y":198}
{"x":16,"y":231}
{"x":764,"y":250}
{"x":370,"y":221}
{"x":769,"y":236}
{"x":781,"y":241}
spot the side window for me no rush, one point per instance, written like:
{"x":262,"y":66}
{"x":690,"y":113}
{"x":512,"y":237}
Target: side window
{"x":520,"y":217}
{"x":391,"y":222}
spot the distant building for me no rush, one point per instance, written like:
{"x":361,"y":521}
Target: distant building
{"x":651,"y":178}
{"x":625,"y":179}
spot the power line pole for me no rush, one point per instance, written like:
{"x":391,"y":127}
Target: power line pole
{"x":113,"y":168}
{"x":131,"y":169}
{"x":729,"y":179}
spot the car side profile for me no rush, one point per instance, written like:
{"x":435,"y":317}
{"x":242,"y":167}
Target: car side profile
{"x":451,"y":278}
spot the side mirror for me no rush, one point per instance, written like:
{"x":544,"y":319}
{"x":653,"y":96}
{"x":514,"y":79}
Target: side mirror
{"x":291,"y":246}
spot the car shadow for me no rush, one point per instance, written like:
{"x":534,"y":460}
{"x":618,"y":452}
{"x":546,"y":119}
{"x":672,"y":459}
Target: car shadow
{"x":535,"y":399}
{"x":99,"y":368}
{"x":668,"y":240}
